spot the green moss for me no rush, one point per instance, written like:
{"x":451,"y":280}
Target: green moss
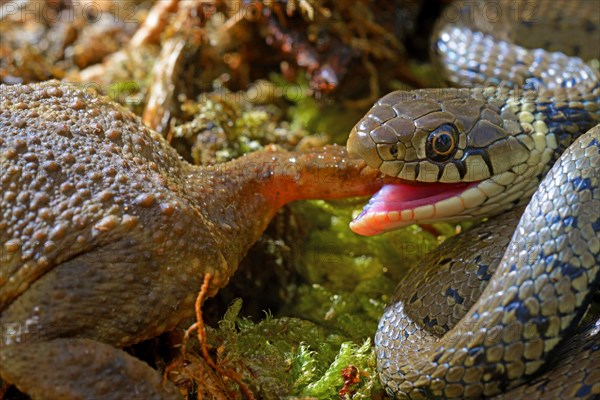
{"x":346,"y":261}
{"x":128,"y":93}
{"x":290,"y":357}
{"x":225,"y":125}
{"x":277,"y":356}
{"x":362,"y":357}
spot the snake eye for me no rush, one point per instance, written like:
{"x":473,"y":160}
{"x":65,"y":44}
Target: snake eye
{"x":441,"y":143}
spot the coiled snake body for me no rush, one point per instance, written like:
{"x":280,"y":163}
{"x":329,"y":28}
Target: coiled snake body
{"x":483,"y":152}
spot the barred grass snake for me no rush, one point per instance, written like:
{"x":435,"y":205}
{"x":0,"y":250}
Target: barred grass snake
{"x":488,"y":314}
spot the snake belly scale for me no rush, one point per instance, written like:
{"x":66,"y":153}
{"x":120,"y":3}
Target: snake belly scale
{"x":488,"y":314}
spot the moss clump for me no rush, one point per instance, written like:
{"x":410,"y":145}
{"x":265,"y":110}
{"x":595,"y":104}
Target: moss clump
{"x":283,"y":358}
{"x":362,"y":357}
{"x":225,"y":125}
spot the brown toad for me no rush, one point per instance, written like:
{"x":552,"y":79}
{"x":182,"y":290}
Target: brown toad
{"x":106,"y":234}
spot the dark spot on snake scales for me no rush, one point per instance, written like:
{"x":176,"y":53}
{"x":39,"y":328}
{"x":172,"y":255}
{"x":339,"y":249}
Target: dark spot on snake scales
{"x":570,"y":270}
{"x":521,"y":311}
{"x":581,"y":184}
{"x":590,"y":27}
{"x":552,"y":218}
{"x":482,"y":272}
{"x":585,"y":390}
{"x":451,"y":292}
{"x":430,"y":322}
{"x":570,"y":221}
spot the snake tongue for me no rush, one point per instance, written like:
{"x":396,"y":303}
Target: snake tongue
{"x":395,"y":204}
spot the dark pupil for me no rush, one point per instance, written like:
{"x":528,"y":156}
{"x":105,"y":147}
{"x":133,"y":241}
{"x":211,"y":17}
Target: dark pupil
{"x":442,"y":143}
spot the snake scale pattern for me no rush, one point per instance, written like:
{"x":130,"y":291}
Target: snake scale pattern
{"x":497,"y":310}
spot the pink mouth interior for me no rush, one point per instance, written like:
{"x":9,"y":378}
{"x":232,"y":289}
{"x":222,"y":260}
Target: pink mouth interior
{"x":400,"y":197}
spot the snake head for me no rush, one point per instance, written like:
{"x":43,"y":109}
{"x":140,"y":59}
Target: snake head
{"x":453,"y":150}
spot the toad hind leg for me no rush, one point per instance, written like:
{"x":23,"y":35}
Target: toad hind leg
{"x":61,"y":339}
{"x":80,"y":369}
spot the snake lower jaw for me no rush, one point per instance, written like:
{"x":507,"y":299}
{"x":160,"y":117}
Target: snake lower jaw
{"x":398,"y":205}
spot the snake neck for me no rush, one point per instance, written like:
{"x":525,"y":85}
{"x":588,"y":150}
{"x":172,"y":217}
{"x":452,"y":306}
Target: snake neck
{"x":499,"y":50}
{"x":551,"y":120}
{"x":552,"y":93}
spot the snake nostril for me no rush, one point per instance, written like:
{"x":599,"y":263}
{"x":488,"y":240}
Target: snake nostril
{"x":394,"y":150}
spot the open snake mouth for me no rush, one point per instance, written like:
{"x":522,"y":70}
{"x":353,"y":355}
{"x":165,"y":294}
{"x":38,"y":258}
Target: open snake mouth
{"x":402,"y":204}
